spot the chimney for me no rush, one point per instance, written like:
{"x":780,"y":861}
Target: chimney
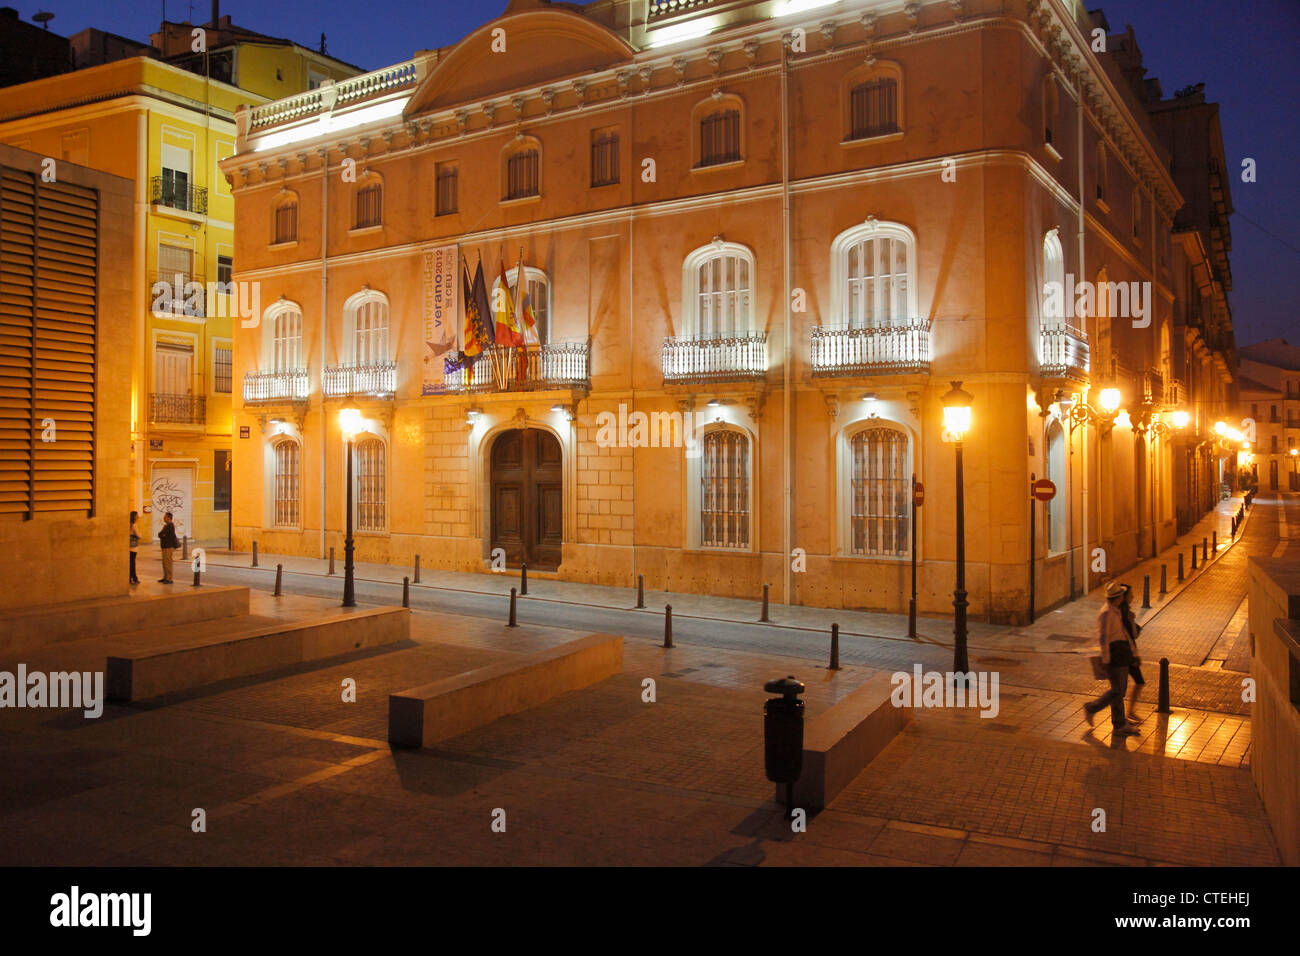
{"x":216,"y":13}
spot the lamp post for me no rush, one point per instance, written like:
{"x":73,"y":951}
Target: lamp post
{"x":350,"y":423}
{"x":956,"y":422}
{"x":1295,"y":453}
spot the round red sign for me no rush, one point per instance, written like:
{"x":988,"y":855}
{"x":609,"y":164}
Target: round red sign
{"x":918,"y":493}
{"x":1043,"y":489}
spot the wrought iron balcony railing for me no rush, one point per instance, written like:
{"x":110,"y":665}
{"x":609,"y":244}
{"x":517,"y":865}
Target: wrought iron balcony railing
{"x":900,"y":348}
{"x":687,"y":360}
{"x":378,"y":378}
{"x":1175,"y":394}
{"x":290,"y":385}
{"x":528,"y":368}
{"x":166,"y":408}
{"x":1063,"y":353}
{"x":1153,"y":387}
{"x":180,"y":293}
{"x":176,"y":196}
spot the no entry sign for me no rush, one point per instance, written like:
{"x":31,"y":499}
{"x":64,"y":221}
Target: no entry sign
{"x":1044,"y":489}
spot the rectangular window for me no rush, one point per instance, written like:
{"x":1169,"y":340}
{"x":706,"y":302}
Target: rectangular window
{"x":225,"y":269}
{"x":604,"y":158}
{"x":286,"y":485}
{"x":522,"y":179}
{"x":370,"y":208}
{"x":286,"y":222}
{"x":447,"y":176}
{"x":370,"y":486}
{"x":221,"y":480}
{"x":724,"y":490}
{"x":881,"y":493}
{"x":874,"y":106}
{"x":720,"y":138}
{"x":221,"y":369}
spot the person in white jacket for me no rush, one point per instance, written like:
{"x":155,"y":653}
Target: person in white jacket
{"x":1118,"y":652}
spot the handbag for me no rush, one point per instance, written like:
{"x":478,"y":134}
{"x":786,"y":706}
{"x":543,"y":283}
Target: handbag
{"x":1099,"y":669}
{"x":135,"y":540}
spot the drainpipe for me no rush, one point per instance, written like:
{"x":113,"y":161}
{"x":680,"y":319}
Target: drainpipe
{"x":324,"y":323}
{"x":1083,"y":273}
{"x":786,"y":477}
{"x":144,"y":306}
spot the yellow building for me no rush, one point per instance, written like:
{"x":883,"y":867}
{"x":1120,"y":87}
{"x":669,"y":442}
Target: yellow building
{"x":166,"y":128}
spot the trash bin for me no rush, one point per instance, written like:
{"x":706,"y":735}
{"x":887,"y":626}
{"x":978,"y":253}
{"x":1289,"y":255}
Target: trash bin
{"x":783,"y":734}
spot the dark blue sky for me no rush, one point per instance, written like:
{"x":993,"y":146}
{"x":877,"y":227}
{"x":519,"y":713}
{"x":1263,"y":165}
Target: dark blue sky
{"x":1244,"y":52}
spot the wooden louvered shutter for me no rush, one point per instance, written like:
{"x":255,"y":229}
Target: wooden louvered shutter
{"x":17,"y":310}
{"x":66,"y":254}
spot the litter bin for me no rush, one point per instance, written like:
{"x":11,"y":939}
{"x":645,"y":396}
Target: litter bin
{"x":783,"y":735}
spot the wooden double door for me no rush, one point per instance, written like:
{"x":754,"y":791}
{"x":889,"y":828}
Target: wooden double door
{"x":528,"y":498}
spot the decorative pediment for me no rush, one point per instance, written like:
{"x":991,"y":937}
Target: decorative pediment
{"x":541,"y":44}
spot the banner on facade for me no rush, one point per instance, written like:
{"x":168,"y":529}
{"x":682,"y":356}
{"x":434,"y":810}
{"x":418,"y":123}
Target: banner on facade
{"x":441,"y":313}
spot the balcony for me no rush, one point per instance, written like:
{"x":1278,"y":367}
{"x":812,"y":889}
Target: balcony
{"x":264,"y":388}
{"x":178,"y":293}
{"x":175,"y":196}
{"x":848,"y":353}
{"x":169,"y":409}
{"x":1153,"y":387}
{"x":529,"y":369}
{"x":1063,"y":353}
{"x":690,"y":361}
{"x":1175,"y":394}
{"x":379,"y":378}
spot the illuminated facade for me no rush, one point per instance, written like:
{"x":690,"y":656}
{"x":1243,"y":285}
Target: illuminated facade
{"x":760,"y":239}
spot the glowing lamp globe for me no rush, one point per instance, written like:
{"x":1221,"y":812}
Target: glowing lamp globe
{"x":956,"y":411}
{"x":350,"y":419}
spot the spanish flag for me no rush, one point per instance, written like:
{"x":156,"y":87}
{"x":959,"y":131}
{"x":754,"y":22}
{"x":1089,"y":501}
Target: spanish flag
{"x":527,"y":318}
{"x":508,"y":333}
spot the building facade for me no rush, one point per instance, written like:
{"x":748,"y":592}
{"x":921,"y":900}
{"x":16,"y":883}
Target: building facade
{"x":760,"y":244}
{"x":1270,"y":402}
{"x":166,"y":128}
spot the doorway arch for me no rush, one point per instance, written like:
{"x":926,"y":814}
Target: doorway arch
{"x":526,"y":497}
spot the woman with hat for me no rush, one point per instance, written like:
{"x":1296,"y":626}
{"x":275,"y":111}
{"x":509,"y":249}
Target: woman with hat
{"x":1118,"y":652}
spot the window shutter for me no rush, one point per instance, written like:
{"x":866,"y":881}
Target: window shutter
{"x":17,"y":307}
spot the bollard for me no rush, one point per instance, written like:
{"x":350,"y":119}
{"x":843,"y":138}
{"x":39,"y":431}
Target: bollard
{"x":417,"y":569}
{"x":1164,"y":579}
{"x":1146,"y":592}
{"x":1193,"y":557}
{"x":254,"y":564}
{"x":1163,"y":705}
{"x":1205,"y":550}
{"x":279,"y":579}
{"x":406,"y":592}
{"x":1180,"y":568}
{"x":1214,"y":542}
{"x":640,"y":590}
{"x":185,"y":547}
{"x":331,"y":559}
{"x":763,"y":616}
{"x":523,"y":578}
{"x":668,"y":625}
{"x":196,"y":578}
{"x":835,"y":647}
{"x":513,"y":621}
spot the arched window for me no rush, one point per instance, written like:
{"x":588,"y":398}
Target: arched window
{"x":872,"y":101}
{"x":521,"y":169}
{"x":719,"y":131}
{"x":724,"y":490}
{"x":539,"y":297}
{"x":285,"y":484}
{"x":370,"y":203}
{"x":366,"y":318}
{"x":880,"y":492}
{"x":718,"y":281}
{"x":1051,"y":111}
{"x":286,"y":338}
{"x":370,"y":493}
{"x":1053,"y":309}
{"x":285,"y":221}
{"x":1057,"y":512}
{"x":873,"y":269}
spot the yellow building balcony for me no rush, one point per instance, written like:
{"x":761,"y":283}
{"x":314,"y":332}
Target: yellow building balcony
{"x":688,"y":360}
{"x":851,"y":352}
{"x":378,"y":379}
{"x":173,"y":409}
{"x":524,"y":369}
{"x":177,"y":196}
{"x":285,"y":385}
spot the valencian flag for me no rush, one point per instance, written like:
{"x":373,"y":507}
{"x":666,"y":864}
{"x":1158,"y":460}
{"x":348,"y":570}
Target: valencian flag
{"x":478,"y":333}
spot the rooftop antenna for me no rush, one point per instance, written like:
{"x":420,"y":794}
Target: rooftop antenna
{"x":43,"y":17}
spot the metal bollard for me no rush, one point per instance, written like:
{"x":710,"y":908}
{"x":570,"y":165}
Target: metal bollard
{"x":668,"y":625}
{"x":835,"y":647}
{"x":513,"y":620}
{"x":1164,"y":579}
{"x":417,"y":569}
{"x":1205,"y":550}
{"x":523,"y":578}
{"x":406,"y":592}
{"x":1180,"y":568}
{"x":763,"y":616}
{"x":196,"y":577}
{"x":1163,"y":705}
{"x":640,"y":590}
{"x":331,"y":559}
{"x":1193,"y":557}
{"x":1214,"y":541}
{"x":279,"y":579}
{"x":1146,"y":592}
{"x":254,"y":564}
{"x":185,"y":547}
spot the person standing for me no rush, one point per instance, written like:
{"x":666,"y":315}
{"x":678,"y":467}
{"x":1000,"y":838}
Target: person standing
{"x":1117,"y":654}
{"x":135,"y":545}
{"x":1133,"y":629}
{"x":168,"y":542}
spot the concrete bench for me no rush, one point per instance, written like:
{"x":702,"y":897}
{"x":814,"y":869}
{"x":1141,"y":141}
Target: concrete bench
{"x":446,"y":708}
{"x":151,"y":663}
{"x":840,"y":742}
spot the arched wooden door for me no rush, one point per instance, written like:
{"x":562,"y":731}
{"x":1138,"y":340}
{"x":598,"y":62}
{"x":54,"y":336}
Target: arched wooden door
{"x":527,"y":498}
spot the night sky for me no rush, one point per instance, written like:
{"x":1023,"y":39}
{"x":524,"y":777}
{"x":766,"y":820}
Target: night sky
{"x":1243,"y":52}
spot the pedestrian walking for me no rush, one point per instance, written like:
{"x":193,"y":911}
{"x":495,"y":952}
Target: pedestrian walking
{"x":1118,"y":652}
{"x":1133,"y":629}
{"x":135,"y":544}
{"x":168,"y":542}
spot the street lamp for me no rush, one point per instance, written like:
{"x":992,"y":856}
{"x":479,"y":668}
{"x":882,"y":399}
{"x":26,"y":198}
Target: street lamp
{"x":350,"y":423}
{"x":1295,"y":453}
{"x":956,"y":422}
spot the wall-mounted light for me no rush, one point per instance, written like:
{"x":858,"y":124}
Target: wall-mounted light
{"x":869,"y":397}
{"x":1181,"y":419}
{"x":714,"y":403}
{"x":1109,"y":399}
